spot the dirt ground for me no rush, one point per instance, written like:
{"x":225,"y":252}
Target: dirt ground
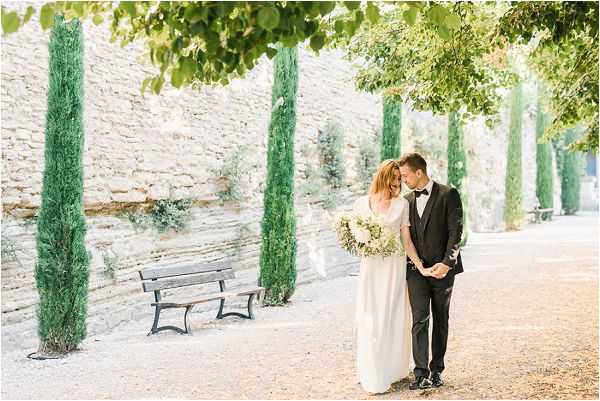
{"x":523,"y":325}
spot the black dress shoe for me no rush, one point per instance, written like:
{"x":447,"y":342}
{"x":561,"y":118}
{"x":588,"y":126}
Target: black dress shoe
{"x":436,"y":379}
{"x":420,"y":383}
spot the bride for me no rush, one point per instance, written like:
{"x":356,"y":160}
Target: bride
{"x":383,"y":318}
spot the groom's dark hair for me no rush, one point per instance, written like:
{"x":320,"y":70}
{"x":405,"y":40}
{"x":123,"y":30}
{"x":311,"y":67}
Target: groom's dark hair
{"x":415,"y":161}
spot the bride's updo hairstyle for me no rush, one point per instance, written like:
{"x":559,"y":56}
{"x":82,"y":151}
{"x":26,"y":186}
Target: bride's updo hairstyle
{"x":382,"y":179}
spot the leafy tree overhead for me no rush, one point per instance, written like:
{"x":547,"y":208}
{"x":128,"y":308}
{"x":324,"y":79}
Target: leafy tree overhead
{"x":565,"y":35}
{"x":438,"y":69}
{"x":210,"y":42}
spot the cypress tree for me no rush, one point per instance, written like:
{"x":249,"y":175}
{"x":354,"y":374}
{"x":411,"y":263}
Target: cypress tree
{"x":392,"y":124}
{"x":513,"y":208}
{"x":544,"y":185}
{"x":571,"y":176}
{"x":62,"y":261}
{"x":457,"y":165}
{"x":278,"y":251}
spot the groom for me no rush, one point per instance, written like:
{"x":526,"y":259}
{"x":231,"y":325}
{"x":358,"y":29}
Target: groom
{"x":436,"y":229}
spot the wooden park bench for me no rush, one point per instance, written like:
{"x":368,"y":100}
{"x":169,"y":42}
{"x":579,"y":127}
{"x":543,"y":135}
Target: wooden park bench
{"x":539,"y":213}
{"x":161,"y":278}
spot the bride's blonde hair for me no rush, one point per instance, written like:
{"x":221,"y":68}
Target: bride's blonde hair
{"x":382,"y":179}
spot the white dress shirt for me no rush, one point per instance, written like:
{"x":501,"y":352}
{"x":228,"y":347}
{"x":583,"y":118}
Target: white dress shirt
{"x":422,"y":200}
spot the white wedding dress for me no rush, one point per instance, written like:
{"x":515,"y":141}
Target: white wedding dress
{"x":383,"y":316}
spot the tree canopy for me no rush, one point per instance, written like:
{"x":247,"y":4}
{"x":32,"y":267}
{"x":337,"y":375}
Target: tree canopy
{"x":437,"y":69}
{"x":444,"y":56}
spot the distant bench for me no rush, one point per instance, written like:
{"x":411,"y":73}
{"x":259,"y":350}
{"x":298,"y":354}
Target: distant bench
{"x":538,"y":214}
{"x":161,"y":278}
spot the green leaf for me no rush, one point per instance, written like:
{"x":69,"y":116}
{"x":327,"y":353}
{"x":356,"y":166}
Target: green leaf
{"x":10,"y":22}
{"x":98,"y":19}
{"x":47,"y":16}
{"x":157,"y":83}
{"x":339,"y":26}
{"x":128,"y":6}
{"x":317,"y":41}
{"x":325,"y":7}
{"x":372,"y":12}
{"x":176,"y":78}
{"x":437,"y":14}
{"x":350,"y":27}
{"x":453,"y":21}
{"x":188,"y":67}
{"x":268,"y":18}
{"x":145,"y":84}
{"x":289,"y":41}
{"x":271,"y":52}
{"x":352,"y":5}
{"x":358,"y":17}
{"x":444,"y":32}
{"x":79,"y":8}
{"x":28,"y":14}
{"x":410,"y":16}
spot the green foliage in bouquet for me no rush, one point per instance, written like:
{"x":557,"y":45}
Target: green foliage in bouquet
{"x":278,"y":251}
{"x":366,"y":236}
{"x":513,"y":208}
{"x":62,"y":260}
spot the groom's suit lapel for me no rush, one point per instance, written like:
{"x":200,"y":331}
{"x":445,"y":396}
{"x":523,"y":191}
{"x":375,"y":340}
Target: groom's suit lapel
{"x":429,"y":206}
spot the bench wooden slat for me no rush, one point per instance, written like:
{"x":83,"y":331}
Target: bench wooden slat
{"x":211,"y":297}
{"x":184,"y":281}
{"x":169,"y":271}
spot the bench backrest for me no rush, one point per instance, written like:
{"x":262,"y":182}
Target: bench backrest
{"x":161,"y":278}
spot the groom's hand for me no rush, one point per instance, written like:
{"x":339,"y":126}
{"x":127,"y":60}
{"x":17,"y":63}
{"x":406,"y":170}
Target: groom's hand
{"x":439,"y":270}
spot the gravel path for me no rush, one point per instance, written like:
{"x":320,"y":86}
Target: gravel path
{"x":524,"y":324}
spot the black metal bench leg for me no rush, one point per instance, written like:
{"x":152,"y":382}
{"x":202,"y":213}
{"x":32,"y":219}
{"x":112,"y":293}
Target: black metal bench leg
{"x":250,"y":315}
{"x":155,"y":329}
{"x":220,"y":312}
{"x":185,"y":319}
{"x":250,"y":306}
{"x":156,"y":316}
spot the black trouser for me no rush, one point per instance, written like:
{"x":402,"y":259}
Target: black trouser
{"x":423,"y":292}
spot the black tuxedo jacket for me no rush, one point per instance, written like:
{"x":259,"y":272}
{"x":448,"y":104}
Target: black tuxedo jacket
{"x":437,"y":233}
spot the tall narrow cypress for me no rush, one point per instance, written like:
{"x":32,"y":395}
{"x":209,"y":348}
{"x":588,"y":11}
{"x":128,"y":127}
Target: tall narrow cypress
{"x":544,"y":181}
{"x":278,"y":251}
{"x":513,"y":204}
{"x":571,"y":176}
{"x":392,"y":124}
{"x":62,"y":260}
{"x":457,"y":165}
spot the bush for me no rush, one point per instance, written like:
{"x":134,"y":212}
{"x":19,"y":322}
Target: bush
{"x":232,"y":172}
{"x":367,"y":162}
{"x":170,"y":214}
{"x":331,"y":159}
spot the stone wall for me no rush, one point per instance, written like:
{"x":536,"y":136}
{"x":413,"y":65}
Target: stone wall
{"x":139,"y":149}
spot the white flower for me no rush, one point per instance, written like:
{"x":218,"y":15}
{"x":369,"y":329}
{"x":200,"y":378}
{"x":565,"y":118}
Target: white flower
{"x":361,"y":235}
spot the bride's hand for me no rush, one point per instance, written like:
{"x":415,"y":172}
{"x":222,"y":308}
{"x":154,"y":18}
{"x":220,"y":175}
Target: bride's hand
{"x":426,"y":272}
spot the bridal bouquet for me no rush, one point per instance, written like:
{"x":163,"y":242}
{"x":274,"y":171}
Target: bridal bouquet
{"x":366,"y":236}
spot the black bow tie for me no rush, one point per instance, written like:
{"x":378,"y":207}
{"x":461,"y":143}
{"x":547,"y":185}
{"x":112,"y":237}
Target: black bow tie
{"x":423,"y":192}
